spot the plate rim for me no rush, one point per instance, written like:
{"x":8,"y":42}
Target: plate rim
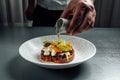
{"x":54,"y":64}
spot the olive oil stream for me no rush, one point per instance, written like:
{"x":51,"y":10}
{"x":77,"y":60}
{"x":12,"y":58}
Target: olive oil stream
{"x":58,"y":35}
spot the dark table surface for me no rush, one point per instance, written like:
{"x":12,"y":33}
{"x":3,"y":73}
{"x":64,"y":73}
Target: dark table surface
{"x":105,"y":65}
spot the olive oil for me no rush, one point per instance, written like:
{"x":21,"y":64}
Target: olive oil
{"x":58,"y":35}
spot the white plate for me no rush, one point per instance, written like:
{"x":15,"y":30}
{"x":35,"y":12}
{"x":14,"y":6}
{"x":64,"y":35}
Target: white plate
{"x":84,"y":50}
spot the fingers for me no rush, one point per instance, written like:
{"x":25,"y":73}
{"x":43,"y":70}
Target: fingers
{"x":90,"y":26}
{"x":92,"y":21}
{"x":66,"y":13}
{"x":76,"y":17}
{"x":87,"y":24}
{"x":83,"y":16}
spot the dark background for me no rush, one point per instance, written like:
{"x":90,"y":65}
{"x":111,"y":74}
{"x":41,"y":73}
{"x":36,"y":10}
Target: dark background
{"x":108,"y":13}
{"x":12,"y":13}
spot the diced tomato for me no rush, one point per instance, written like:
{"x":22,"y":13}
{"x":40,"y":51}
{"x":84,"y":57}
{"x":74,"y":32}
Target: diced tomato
{"x":71,"y":51}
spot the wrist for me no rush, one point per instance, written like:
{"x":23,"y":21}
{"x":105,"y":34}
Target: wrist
{"x":31,"y":3}
{"x":93,"y":1}
{"x":31,"y":6}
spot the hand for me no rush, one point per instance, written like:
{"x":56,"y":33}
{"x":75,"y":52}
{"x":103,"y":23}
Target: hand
{"x":84,"y":14}
{"x":29,"y":12}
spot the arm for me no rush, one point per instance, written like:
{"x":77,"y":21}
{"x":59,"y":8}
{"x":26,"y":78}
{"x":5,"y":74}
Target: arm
{"x":30,"y":9}
{"x":31,"y":3}
{"x":83,"y":12}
